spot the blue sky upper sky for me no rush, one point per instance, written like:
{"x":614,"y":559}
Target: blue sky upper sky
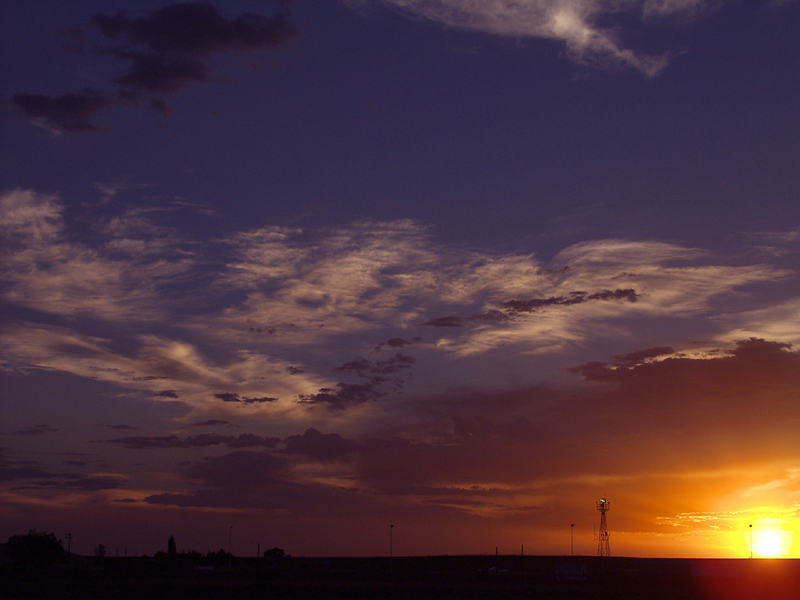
{"x":314,"y":267}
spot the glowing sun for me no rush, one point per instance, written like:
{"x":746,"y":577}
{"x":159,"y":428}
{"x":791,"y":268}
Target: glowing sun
{"x":771,"y":544}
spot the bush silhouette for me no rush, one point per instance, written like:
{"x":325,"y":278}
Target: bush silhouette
{"x":35,"y":549}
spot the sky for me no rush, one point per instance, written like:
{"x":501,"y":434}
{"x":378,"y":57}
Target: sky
{"x":339,"y":275}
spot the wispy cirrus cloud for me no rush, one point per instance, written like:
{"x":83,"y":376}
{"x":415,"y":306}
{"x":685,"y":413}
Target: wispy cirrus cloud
{"x":36,"y":430}
{"x":591,"y":30}
{"x":282,"y":318}
{"x":594,"y":32}
{"x":44,"y":268}
{"x":780,"y":321}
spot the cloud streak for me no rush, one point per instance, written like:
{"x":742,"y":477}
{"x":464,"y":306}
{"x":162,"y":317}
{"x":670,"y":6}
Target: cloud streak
{"x":583,"y":27}
{"x":245,"y":440}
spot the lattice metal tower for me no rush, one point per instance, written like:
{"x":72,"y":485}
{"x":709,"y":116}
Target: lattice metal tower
{"x":602,"y":536}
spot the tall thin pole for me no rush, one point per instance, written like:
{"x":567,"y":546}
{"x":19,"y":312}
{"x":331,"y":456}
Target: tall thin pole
{"x":69,"y":548}
{"x":230,"y":535}
{"x":572,"y":539}
{"x":751,"y":540}
{"x":391,"y":550}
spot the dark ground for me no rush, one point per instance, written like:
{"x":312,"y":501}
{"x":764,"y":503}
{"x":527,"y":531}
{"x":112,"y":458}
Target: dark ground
{"x":407,"y":578}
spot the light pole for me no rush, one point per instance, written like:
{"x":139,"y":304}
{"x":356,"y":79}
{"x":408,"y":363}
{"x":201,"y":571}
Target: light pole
{"x":391,"y":531}
{"x":69,"y":548}
{"x":572,"y":539}
{"x":230,"y":535}
{"x":751,"y":540}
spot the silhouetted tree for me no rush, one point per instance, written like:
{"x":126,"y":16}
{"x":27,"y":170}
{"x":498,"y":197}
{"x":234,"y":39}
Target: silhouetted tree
{"x":172,"y":550}
{"x":220,"y":557}
{"x":274,"y":553}
{"x":99,"y":554}
{"x":34,"y":549}
{"x":193,"y":556}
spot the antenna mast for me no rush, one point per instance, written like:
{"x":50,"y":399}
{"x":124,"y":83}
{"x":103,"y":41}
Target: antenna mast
{"x":602,"y":536}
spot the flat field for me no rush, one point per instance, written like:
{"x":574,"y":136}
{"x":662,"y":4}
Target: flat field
{"x":411,"y":578}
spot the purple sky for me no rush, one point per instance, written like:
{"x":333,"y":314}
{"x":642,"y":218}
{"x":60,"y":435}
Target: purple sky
{"x":313,"y":268}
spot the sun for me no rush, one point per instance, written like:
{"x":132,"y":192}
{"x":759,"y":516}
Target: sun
{"x":771,"y":543}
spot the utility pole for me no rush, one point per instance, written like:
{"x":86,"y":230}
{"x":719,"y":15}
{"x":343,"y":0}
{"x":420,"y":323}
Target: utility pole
{"x":572,"y":539}
{"x":69,"y":548}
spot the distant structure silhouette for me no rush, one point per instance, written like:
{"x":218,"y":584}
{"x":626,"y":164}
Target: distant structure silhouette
{"x":602,"y":536}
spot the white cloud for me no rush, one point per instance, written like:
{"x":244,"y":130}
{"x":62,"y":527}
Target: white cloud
{"x":45,"y":269}
{"x":576,"y":23}
{"x":665,"y":289}
{"x":156,"y":364}
{"x":29,"y":218}
{"x":779,"y":322}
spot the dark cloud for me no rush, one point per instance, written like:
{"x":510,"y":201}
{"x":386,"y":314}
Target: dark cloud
{"x":69,"y":113}
{"x":159,"y":74}
{"x":395,"y":364}
{"x":518,"y":306}
{"x":263,"y":481}
{"x":167,"y":394}
{"x":321,"y":446}
{"x":344,"y":396}
{"x":212,"y":423}
{"x":13,"y":472}
{"x":231,"y":397}
{"x":229,"y":480}
{"x":377,"y":374}
{"x":124,"y":427}
{"x":445,"y":322}
{"x":294,"y":370}
{"x":91,"y":484}
{"x":197,"y":29}
{"x":748,"y":359}
{"x":245,"y":440}
{"x":718,"y":406}
{"x":640,"y":356}
{"x":36,"y":430}
{"x":492,"y":452}
{"x":38,"y":478}
{"x":491,"y":315}
{"x":85,"y":484}
{"x":168,"y":47}
{"x":678,"y":413}
{"x":359,"y":365}
{"x":362,"y":366}
{"x":165,"y":50}
{"x":74,"y":463}
{"x":274,"y":330}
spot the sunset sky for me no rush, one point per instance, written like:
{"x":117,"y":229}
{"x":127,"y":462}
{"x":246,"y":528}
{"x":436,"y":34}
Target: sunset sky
{"x":297,"y":272}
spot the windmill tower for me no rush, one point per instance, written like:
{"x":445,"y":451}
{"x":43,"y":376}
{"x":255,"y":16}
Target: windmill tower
{"x":602,"y":536}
